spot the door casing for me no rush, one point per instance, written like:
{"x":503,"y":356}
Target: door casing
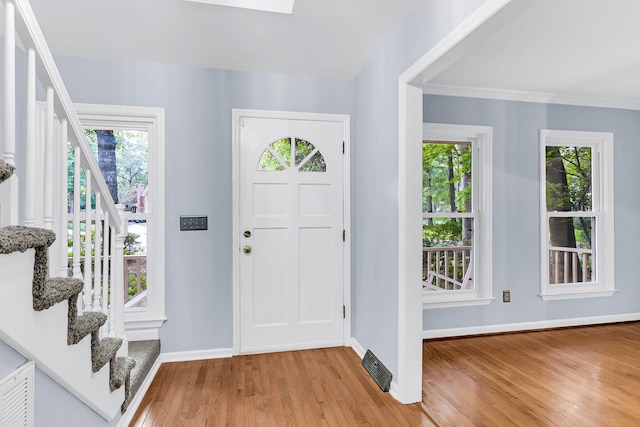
{"x":237,"y":116}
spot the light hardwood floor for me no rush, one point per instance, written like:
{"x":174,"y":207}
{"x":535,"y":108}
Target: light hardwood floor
{"x":325,"y":387}
{"x":586,"y":376}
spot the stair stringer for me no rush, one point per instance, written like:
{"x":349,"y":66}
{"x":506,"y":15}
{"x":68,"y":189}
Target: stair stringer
{"x":42,"y":336}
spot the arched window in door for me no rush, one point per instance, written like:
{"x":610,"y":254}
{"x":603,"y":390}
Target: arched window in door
{"x":292,"y":153}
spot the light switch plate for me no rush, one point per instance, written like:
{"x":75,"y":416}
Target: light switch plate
{"x":193,"y":223}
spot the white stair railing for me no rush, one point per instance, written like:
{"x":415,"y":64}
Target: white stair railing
{"x":98,"y":228}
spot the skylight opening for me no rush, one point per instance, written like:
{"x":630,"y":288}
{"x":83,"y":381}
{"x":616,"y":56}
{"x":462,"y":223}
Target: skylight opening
{"x":277,"y":6}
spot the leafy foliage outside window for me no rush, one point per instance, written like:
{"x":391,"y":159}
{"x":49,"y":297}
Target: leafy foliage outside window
{"x":132,"y":166}
{"x":446,"y":188}
{"x":569,"y":189}
{"x":129,"y":187}
{"x":278,"y":157}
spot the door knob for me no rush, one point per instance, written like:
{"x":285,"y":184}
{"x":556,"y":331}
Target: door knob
{"x":246,"y":249}
{"x":247,"y":234}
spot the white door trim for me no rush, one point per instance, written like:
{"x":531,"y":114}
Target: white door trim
{"x":487,"y":19}
{"x":237,"y":116}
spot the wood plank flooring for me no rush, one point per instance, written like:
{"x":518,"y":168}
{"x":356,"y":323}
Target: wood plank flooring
{"x":586,"y":376}
{"x":324,"y":387}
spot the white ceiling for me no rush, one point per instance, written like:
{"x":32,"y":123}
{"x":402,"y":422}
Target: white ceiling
{"x":322,"y":38}
{"x":567,"y":51}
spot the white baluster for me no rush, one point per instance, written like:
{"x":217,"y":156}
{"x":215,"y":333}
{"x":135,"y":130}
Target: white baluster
{"x":64,"y":203}
{"x":97,"y":282}
{"x":88,"y":294}
{"x":112,"y":276}
{"x":9,"y":143}
{"x":77,"y":272}
{"x":116,"y":308}
{"x":30,"y":143}
{"x":47,"y":206}
{"x":106,"y":250}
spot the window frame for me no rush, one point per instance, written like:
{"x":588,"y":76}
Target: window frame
{"x":142,"y":323}
{"x":602,"y":210}
{"x":481,"y":138}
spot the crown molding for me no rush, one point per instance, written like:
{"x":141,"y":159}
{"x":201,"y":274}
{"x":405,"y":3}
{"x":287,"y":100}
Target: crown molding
{"x":524,"y":96}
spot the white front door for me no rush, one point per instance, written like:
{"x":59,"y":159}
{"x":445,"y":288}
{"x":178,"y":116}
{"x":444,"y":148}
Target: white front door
{"x":291,"y":211}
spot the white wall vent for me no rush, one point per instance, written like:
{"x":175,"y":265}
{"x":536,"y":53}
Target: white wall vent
{"x":17,"y":397}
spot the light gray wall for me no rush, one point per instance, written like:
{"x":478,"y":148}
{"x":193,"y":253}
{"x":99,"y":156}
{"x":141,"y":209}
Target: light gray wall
{"x":198,"y":104}
{"x":516,"y":204}
{"x":375,"y":174}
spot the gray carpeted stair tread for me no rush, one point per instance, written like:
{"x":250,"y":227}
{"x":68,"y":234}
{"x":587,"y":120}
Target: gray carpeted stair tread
{"x":145,"y":354}
{"x":120,"y":371}
{"x":17,"y":238}
{"x":6,"y":170}
{"x":81,"y":326}
{"x":57,"y":289}
{"x":103,"y":350}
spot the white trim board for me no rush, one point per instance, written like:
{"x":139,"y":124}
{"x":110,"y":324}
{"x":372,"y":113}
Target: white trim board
{"x":488,"y":18}
{"x":536,"y":97}
{"x":189,"y":356}
{"x":529,"y":326}
{"x":358,"y":348}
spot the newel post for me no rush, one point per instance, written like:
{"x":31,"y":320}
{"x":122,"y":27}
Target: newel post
{"x":9,"y":191}
{"x":116,"y":306}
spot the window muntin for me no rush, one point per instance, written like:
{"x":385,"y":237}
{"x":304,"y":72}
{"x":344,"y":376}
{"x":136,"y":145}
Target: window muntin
{"x":577,"y":214}
{"x":279,"y":154}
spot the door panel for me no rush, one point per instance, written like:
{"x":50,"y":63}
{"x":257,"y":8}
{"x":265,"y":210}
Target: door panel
{"x":291,"y":203}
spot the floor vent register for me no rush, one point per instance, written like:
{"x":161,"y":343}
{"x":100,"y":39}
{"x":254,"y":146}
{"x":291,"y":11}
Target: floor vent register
{"x":377,"y":370}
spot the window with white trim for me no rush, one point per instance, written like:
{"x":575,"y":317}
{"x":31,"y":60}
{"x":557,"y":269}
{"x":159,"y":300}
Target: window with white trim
{"x":456,"y":214}
{"x":141,"y":165}
{"x":576,"y":218}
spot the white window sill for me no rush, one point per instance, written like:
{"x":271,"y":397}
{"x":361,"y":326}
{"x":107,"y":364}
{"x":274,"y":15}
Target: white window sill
{"x":575,"y":294}
{"x":431,"y":300}
{"x":147,"y":326}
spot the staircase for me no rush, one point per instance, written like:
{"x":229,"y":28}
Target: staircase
{"x":26,"y":330}
{"x":72,"y":327}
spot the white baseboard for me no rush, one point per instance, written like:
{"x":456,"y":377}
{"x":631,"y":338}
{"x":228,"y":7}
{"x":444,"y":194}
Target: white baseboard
{"x":360,"y":351}
{"x":528,"y":326}
{"x":394,"y":392}
{"x":357,"y":347}
{"x":186,"y":356}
